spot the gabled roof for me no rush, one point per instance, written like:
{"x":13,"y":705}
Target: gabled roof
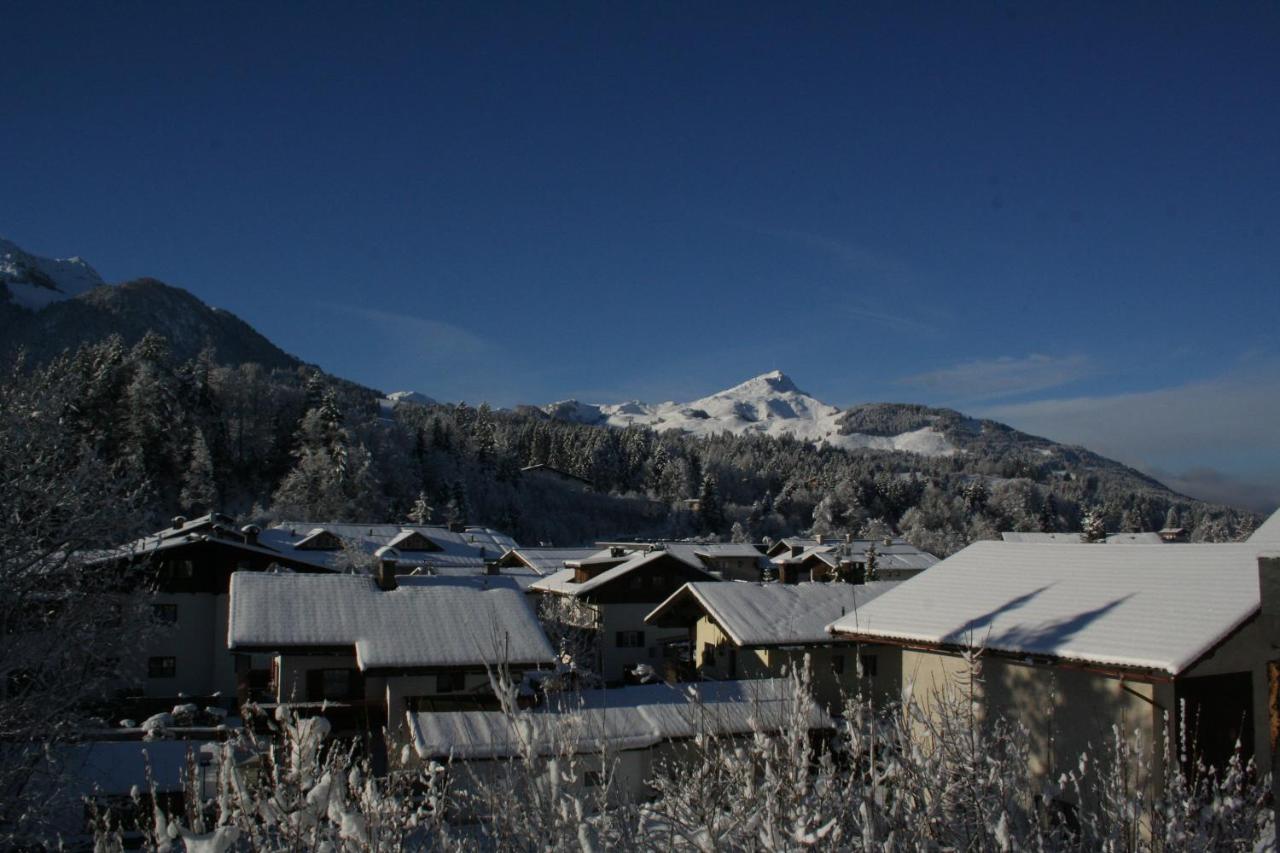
{"x":547,"y":561}
{"x":562,"y":582}
{"x":616,"y":719}
{"x":769,"y":614}
{"x":893,"y":554}
{"x":425,"y":622}
{"x":1148,"y":607}
{"x":473,"y":546}
{"x":1269,"y":531}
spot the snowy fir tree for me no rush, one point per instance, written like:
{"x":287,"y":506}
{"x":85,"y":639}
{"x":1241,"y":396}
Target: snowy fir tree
{"x":710,"y":512}
{"x":1093,"y":526}
{"x":199,"y":485}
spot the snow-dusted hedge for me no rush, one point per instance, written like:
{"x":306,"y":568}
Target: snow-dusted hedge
{"x":891,"y":779}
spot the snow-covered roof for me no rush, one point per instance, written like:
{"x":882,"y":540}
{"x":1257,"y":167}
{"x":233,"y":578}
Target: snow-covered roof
{"x":1075,"y":538}
{"x":617,"y":719}
{"x":562,"y":582}
{"x":764,"y":614}
{"x":424,"y":622}
{"x":546,"y":561}
{"x":891,"y":554}
{"x":472,"y":547}
{"x":1149,"y":538}
{"x":1143,"y":606}
{"x":1041,"y":537}
{"x":1269,"y":531}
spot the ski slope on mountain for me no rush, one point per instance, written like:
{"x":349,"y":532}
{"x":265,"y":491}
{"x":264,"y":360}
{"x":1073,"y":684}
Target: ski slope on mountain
{"x":769,"y":404}
{"x":34,"y":282}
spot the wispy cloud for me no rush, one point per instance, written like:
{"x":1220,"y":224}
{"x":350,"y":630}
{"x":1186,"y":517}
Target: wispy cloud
{"x":985,"y":379}
{"x":1220,"y":433}
{"x":424,"y":335}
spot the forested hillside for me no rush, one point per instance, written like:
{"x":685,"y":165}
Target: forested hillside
{"x":291,"y":441}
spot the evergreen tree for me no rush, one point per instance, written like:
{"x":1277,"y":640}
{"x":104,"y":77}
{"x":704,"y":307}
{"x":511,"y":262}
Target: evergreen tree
{"x":199,"y":485}
{"x":458,"y":509}
{"x":421,"y":512}
{"x":738,"y":534}
{"x":1172,"y":521}
{"x":1092,"y":526}
{"x":710,"y":512}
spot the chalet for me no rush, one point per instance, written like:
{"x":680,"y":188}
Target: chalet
{"x":1078,"y":639}
{"x":624,"y":733}
{"x":893,"y":560}
{"x":730,"y":560}
{"x":610,"y":593}
{"x":767,"y":630}
{"x":542,"y":561}
{"x":187,"y":569}
{"x":424,"y":546}
{"x":373,"y":648}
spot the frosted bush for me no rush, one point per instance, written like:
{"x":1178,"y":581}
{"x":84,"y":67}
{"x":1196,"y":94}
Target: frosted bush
{"x":886,"y":778}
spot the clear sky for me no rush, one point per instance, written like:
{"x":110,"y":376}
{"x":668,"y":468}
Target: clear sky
{"x":1064,"y":215}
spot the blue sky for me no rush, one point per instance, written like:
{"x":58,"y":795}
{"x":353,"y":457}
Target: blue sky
{"x":1063,"y":215}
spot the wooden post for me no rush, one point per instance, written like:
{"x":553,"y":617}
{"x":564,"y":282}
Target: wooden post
{"x":1269,"y":623}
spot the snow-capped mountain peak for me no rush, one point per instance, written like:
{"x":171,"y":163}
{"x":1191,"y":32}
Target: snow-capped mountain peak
{"x":773,"y":382}
{"x":34,"y":282}
{"x":770,"y":404}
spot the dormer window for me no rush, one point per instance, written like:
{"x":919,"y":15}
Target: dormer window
{"x":319,"y":539}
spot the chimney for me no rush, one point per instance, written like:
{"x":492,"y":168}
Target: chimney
{"x":491,"y":568}
{"x":848,"y":539}
{"x":457,"y":527}
{"x":250,"y":532}
{"x":179,"y":522}
{"x":819,"y":538}
{"x":385,"y":575}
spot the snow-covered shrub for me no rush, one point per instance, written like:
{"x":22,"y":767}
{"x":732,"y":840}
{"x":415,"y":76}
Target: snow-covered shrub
{"x":903,"y":777}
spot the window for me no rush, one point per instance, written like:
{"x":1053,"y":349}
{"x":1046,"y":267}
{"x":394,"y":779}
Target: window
{"x":868,"y":664}
{"x":630,"y":639}
{"x":165,"y":614}
{"x":325,"y":684}
{"x":451,"y":682}
{"x":180,"y":569}
{"x":162,"y":667}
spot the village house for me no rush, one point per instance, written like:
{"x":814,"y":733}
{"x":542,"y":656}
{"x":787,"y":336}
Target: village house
{"x":432,"y":548}
{"x":609,"y":594}
{"x":1076,"y":639}
{"x":186,"y":570}
{"x":368,"y":649}
{"x":824,"y":560}
{"x":729,"y":560}
{"x":619,"y":736}
{"x":542,"y":561}
{"x":768,"y":630}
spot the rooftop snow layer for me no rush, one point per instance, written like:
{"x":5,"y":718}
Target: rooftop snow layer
{"x":563,"y":583}
{"x":616,"y":719}
{"x":546,"y":561}
{"x":771,"y":614}
{"x":1144,"y":606}
{"x":1269,"y":531}
{"x":422,"y":623}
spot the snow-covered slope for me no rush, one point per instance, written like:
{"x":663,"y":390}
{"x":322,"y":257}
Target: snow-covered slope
{"x":770,"y":404}
{"x":34,"y":282}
